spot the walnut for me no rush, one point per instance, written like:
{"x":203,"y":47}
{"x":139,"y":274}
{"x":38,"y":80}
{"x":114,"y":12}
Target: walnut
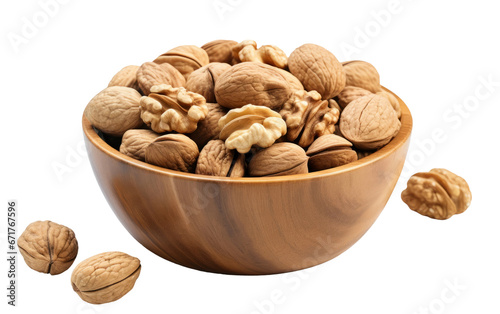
{"x":308,"y":117}
{"x":351,"y":93}
{"x":330,"y":151}
{"x":369,"y":122}
{"x":172,"y":109}
{"x":251,"y":125}
{"x":186,"y":59}
{"x":115,"y":110}
{"x":48,"y":247}
{"x":126,"y":77}
{"x":252,"y":83}
{"x":134,"y":142}
{"x":208,"y":128}
{"x":217,"y":160}
{"x":362,"y":74}
{"x":393,"y":101}
{"x":247,"y":51}
{"x":220,"y":50}
{"x":437,"y":194}
{"x":278,"y":160}
{"x":317,"y":69}
{"x":202,"y":81}
{"x":294,"y":82}
{"x":151,"y":74}
{"x":105,"y":277}
{"x":173,"y":151}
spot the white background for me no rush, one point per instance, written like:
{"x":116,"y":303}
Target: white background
{"x":434,"y":54}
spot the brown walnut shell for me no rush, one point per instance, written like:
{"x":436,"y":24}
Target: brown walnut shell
{"x":151,"y":74}
{"x":202,"y":81}
{"x":317,"y":69}
{"x":208,"y":128}
{"x":220,"y":50}
{"x":105,"y":277}
{"x":393,"y":101}
{"x":437,"y":194}
{"x":185,"y":59}
{"x":126,"y":77}
{"x":173,"y":151}
{"x":369,"y":122}
{"x":362,"y":74}
{"x":330,"y":151}
{"x":48,"y":247}
{"x":351,"y":93}
{"x":134,"y":143}
{"x":115,"y":110}
{"x":252,"y":83}
{"x":217,"y":160}
{"x":278,"y":160}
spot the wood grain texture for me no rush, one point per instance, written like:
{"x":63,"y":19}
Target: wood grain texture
{"x":248,"y":225}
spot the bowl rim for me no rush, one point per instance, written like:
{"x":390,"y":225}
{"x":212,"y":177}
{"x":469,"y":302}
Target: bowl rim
{"x":400,"y":139}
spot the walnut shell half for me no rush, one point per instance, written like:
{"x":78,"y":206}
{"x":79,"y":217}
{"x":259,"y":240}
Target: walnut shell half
{"x":48,"y":247}
{"x":438,"y":194}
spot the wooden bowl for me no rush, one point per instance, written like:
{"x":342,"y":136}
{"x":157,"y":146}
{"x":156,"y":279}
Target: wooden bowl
{"x":248,"y":225}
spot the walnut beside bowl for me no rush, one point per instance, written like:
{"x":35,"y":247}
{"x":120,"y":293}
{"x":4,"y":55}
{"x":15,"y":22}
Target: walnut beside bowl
{"x":248,"y":225}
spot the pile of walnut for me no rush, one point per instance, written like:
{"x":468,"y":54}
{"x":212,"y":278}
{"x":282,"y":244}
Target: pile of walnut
{"x":229,"y":109}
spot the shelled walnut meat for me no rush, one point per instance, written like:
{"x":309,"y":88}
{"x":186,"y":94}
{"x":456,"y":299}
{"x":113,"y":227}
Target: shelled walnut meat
{"x":233,"y":109}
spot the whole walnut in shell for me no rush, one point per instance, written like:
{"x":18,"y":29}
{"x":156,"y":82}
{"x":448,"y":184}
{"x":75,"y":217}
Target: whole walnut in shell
{"x":105,"y":277}
{"x":134,"y":143}
{"x":393,"y":101}
{"x":126,"y":77}
{"x":220,"y":50}
{"x":217,"y":160}
{"x":247,"y":51}
{"x":48,"y":247}
{"x":330,"y":151}
{"x":173,"y":151}
{"x":362,"y":74}
{"x":317,"y":69}
{"x":169,"y":109}
{"x":294,"y":82}
{"x":251,"y":125}
{"x":308,"y":117}
{"x":186,"y":59}
{"x":202,"y":81}
{"x":115,"y":110}
{"x":278,"y":160}
{"x":208,"y":128}
{"x":252,"y":83}
{"x":151,"y":74}
{"x":437,"y":194}
{"x":351,"y":93}
{"x":369,"y":122}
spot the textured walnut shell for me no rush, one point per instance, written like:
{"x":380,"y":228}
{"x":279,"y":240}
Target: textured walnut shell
{"x":186,"y":59}
{"x":220,"y":50}
{"x":126,"y":77}
{"x":362,"y":74}
{"x":393,"y":101}
{"x":134,"y":143}
{"x":169,"y":109}
{"x":208,"y":128}
{"x":278,"y":160}
{"x":330,"y":151}
{"x":437,"y":194}
{"x":308,"y":117}
{"x":115,"y":110}
{"x":173,"y":151}
{"x":151,"y":74}
{"x":247,"y":51}
{"x":351,"y":93}
{"x":363,"y":153}
{"x":252,"y":83}
{"x":217,"y":160}
{"x":317,"y":69}
{"x":251,"y":125}
{"x":294,"y":82}
{"x":202,"y":81}
{"x":48,"y":247}
{"x":105,"y":277}
{"x":369,"y":122}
